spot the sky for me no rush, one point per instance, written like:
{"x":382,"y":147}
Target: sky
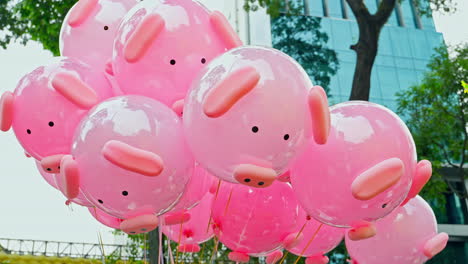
{"x":31,"y":209}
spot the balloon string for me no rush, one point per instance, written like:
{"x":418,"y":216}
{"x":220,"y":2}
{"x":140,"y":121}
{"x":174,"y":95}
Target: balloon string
{"x":297,"y":236}
{"x":215,"y":250}
{"x":228,"y":203}
{"x":201,"y":252}
{"x":160,"y":256}
{"x":145,"y":238}
{"x":211,"y":211}
{"x":169,"y":248}
{"x":101,"y":244}
{"x":308,"y":243}
{"x":178,"y":243}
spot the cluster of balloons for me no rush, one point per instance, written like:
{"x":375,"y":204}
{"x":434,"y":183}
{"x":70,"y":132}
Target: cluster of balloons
{"x":156,"y":113}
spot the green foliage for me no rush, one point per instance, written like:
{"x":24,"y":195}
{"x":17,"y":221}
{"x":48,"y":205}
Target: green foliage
{"x":300,"y":37}
{"x":436,"y":112}
{"x":38,"y":20}
{"x":136,"y":247}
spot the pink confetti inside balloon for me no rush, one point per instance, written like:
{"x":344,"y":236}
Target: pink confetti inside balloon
{"x":407,"y":236}
{"x":162,"y":45}
{"x":198,"y":186}
{"x":255,"y":221}
{"x":195,"y":231}
{"x":319,"y":239}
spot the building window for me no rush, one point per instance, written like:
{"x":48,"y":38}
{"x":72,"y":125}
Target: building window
{"x":344,"y":10}
{"x":399,"y":14}
{"x":325,"y":8}
{"x":416,"y":18}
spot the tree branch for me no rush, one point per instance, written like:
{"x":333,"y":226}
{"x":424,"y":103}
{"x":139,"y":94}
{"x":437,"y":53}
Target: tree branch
{"x":446,"y":155}
{"x":385,"y":10}
{"x":359,"y":9}
{"x":455,"y":191}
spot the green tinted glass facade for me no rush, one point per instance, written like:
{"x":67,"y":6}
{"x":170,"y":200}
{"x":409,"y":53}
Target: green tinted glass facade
{"x":406,"y":45}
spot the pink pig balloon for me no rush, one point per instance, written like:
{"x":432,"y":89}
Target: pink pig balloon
{"x":166,"y":43}
{"x":55,"y":181}
{"x":105,"y":219}
{"x":130,"y":160}
{"x":255,"y":221}
{"x":360,"y":174}
{"x":250,"y":112}
{"x":47,"y":106}
{"x":198,"y":186}
{"x":89,"y":30}
{"x":407,"y":236}
{"x":195,"y":231}
{"x":314,"y":247}
{"x":48,"y":177}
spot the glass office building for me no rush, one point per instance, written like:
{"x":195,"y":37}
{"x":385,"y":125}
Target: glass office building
{"x":405,"y":47}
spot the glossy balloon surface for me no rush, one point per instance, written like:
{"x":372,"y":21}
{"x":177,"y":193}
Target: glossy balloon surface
{"x":44,"y":121}
{"x":178,"y":52}
{"x":254,"y":221}
{"x":267,"y":127}
{"x":141,"y":123}
{"x":362,"y":135}
{"x":92,"y":40}
{"x":196,"y":230}
{"x":401,"y":236}
{"x":323,"y":240}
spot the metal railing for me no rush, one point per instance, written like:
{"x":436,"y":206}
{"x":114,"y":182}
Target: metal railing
{"x":63,"y":249}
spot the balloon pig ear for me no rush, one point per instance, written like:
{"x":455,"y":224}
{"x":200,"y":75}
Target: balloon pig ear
{"x":132,"y":159}
{"x":229,"y":91}
{"x":81,"y":11}
{"x":320,"y":114}
{"x":435,"y":245}
{"x":142,"y":38}
{"x":362,"y":231}
{"x":6,"y":111}
{"x":225,"y":31}
{"x":422,"y":176}
{"x":70,"y":177}
{"x":75,"y":90}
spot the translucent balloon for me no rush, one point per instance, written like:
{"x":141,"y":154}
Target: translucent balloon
{"x":195,"y":231}
{"x":247,"y":115}
{"x":363,"y":172}
{"x":319,"y":239}
{"x":198,"y":186}
{"x":55,"y":181}
{"x":166,"y":43}
{"x":47,"y":106}
{"x":89,"y":30}
{"x":130,"y":159}
{"x":407,"y":236}
{"x":255,"y":221}
{"x":105,"y":219}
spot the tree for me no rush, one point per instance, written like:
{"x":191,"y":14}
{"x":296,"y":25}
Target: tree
{"x":300,"y":37}
{"x":370,"y":26}
{"x":38,"y":20}
{"x":437,"y":112}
